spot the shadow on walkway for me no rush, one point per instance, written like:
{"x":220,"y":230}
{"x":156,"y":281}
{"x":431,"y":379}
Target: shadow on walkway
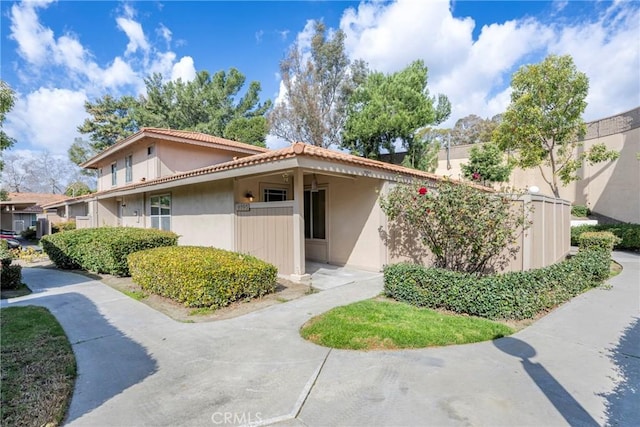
{"x":566,"y":405}
{"x":623,"y":403}
{"x":108,"y":361}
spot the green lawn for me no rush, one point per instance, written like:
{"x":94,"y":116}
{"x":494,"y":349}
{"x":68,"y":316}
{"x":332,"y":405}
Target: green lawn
{"x":377,"y":325}
{"x":38,"y":368}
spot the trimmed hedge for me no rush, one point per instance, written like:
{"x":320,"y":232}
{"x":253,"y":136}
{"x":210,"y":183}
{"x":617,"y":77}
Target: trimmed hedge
{"x":515,"y":295}
{"x":200,"y":276}
{"x":580,"y":211}
{"x":598,"y":240}
{"x":629,"y":233}
{"x":104,"y":249}
{"x":11,"y":276}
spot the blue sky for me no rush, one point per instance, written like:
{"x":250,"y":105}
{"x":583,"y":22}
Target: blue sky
{"x":57,"y":54}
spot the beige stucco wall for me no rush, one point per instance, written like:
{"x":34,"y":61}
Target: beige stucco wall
{"x":203,"y":214}
{"x":354,"y":218}
{"x":609,"y":188}
{"x":176,"y":157}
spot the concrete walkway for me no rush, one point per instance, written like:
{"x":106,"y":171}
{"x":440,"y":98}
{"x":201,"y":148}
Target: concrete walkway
{"x":580,"y":365}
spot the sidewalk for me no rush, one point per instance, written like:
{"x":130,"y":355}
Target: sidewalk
{"x":136,"y":366}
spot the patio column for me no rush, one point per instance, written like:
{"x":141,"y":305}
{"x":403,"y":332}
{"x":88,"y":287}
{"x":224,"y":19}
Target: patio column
{"x":298,"y":228}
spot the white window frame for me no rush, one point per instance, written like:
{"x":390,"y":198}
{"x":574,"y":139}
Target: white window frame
{"x":309,"y":218}
{"x":128,"y":167}
{"x":114,"y":174}
{"x":155,"y":202}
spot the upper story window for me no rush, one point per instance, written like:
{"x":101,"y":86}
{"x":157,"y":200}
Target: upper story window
{"x":128,"y":166}
{"x":150,"y":150}
{"x":114,"y":174}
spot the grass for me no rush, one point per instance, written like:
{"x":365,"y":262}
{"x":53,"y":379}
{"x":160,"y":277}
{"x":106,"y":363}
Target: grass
{"x":14,"y":293}
{"x":202,"y":311}
{"x":38,"y":368}
{"x":615,"y":269}
{"x":136,"y":295}
{"x":378,"y":325}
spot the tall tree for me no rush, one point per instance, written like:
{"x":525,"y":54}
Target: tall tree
{"x":543,"y":124}
{"x":41,"y":173}
{"x":391,"y":108}
{"x":111,"y":120}
{"x":425,"y":149}
{"x":473,"y":129}
{"x":7,"y":100}
{"x":210,"y":104}
{"x":317,"y":86}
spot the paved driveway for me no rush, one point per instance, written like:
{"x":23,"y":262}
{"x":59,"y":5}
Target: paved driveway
{"x":579,"y":365}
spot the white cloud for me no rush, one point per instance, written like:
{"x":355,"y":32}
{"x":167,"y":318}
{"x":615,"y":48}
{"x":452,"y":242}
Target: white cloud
{"x":48,"y":115}
{"x":165,"y":33}
{"x":607,"y":51}
{"x":475,"y":74}
{"x":133,"y":30}
{"x":47,"y":119}
{"x":184,"y":69}
{"x":32,"y":37}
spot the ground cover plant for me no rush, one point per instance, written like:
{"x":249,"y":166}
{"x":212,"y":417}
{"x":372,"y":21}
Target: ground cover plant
{"x":202,"y":276}
{"x":513,"y":295}
{"x":104,"y":249}
{"x":376,"y":325}
{"x":38,"y":368}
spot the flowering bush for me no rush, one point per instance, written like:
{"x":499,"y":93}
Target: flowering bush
{"x":467,"y":229}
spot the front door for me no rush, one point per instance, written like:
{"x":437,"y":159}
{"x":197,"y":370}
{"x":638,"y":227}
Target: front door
{"x":315,"y":225}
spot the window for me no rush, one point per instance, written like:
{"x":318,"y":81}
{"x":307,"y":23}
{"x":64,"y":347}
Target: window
{"x":114,"y":176}
{"x":150,"y":150}
{"x":314,"y":214}
{"x":128,"y":167}
{"x":161,"y":212}
{"x":274,"y":194}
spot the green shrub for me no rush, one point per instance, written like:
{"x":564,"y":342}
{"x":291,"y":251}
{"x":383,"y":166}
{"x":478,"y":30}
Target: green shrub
{"x":200,"y":276}
{"x":580,"y":211}
{"x":104,"y":249}
{"x":629,"y":233}
{"x":6,"y":255}
{"x":600,"y":240}
{"x":515,"y":295}
{"x":66,"y":226}
{"x":11,"y":276}
{"x":29,"y":233}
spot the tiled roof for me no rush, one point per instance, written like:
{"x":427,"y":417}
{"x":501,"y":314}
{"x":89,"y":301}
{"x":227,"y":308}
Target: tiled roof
{"x":37,"y":199}
{"x":202,"y":137}
{"x":297,"y":149}
{"x":32,"y":202}
{"x":181,"y":136}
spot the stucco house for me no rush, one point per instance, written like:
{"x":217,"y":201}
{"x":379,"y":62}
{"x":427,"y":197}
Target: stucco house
{"x":285,"y":206}
{"x":22,"y":210}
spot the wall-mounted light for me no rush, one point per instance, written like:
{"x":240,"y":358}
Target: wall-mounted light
{"x":285,"y":177}
{"x":249,"y":195}
{"x":314,"y":183}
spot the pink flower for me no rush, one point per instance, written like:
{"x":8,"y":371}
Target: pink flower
{"x":476,"y":176}
{"x":422,"y":191}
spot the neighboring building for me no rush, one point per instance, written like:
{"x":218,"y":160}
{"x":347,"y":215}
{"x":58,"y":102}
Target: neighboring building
{"x":22,"y":209}
{"x":609,"y":188}
{"x":285,"y":206}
